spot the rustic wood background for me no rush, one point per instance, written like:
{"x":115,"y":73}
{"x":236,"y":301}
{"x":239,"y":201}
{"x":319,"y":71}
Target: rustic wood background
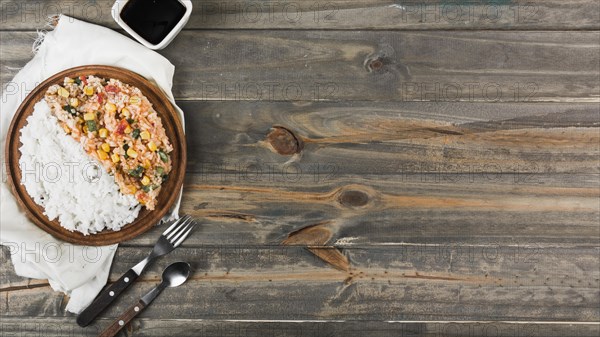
{"x":366,"y":168}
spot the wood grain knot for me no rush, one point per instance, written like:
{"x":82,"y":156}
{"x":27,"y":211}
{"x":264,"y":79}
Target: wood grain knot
{"x":375,"y":64}
{"x":284,"y":141}
{"x":353,"y":198}
{"x":379,"y":63}
{"x":315,"y":237}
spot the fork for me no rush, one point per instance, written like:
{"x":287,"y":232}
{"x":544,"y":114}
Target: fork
{"x":167,"y":242}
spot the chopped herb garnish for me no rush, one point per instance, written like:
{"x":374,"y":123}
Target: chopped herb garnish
{"x":159,"y":170}
{"x":137,"y":172}
{"x":163,"y":156}
{"x":126,"y":147}
{"x":149,"y":188}
{"x":91,"y":125}
{"x":165,"y":177}
{"x":77,"y":80}
{"x":68,"y":108}
{"x":135,"y":133}
{"x":130,"y":120}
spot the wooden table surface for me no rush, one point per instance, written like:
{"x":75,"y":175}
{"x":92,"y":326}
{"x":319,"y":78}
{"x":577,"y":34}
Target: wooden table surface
{"x":366,"y":168}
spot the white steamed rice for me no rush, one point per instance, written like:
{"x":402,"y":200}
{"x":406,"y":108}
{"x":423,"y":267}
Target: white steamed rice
{"x":69,"y":184}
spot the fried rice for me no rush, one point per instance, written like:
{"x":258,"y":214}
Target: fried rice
{"x":117,"y":125}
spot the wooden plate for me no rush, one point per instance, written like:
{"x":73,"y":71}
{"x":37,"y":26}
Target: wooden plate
{"x":170,"y":189}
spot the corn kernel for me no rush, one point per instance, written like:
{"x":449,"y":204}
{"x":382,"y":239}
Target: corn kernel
{"x":85,"y":129}
{"x":88,"y":91}
{"x":131,"y":188}
{"x":145,"y":180}
{"x":69,"y":80}
{"x":145,"y":135}
{"x":152,"y":146}
{"x":146,"y":164}
{"x":63,"y":92}
{"x":66,"y":128}
{"x":105,"y":147}
{"x":128,"y":129}
{"x":74,"y":102}
{"x":134,"y":100}
{"x":102,"y":155}
{"x":110,"y":107}
{"x":103,"y":133}
{"x":115,"y":158}
{"x":131,"y":153}
{"x":125,"y":113}
{"x":90,"y":116}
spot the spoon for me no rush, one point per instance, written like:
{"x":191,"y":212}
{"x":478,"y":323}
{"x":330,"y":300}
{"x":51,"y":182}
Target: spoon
{"x":174,"y":275}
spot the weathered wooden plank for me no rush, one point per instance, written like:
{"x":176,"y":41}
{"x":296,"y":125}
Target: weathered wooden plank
{"x":366,"y":138}
{"x":490,"y":66}
{"x":425,"y":282}
{"x":394,"y":212}
{"x":54,"y":327}
{"x":333,"y":14}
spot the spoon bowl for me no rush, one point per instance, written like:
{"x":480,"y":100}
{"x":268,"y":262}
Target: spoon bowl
{"x":176,"y":274}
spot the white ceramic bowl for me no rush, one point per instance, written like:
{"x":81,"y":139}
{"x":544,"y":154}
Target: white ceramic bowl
{"x":116,"y":14}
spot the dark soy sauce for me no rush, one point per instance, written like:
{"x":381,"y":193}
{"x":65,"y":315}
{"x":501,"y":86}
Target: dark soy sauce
{"x":153,"y":19}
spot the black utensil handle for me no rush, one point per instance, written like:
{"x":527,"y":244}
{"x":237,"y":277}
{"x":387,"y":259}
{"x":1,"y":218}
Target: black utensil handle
{"x":122,"y":320}
{"x":105,"y":298}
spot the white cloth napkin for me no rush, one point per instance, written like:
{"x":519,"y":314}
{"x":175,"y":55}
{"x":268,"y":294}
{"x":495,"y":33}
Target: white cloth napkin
{"x":79,"y":271}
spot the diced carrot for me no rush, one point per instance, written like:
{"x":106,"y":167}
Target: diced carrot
{"x":111,"y":88}
{"x":121,"y":127}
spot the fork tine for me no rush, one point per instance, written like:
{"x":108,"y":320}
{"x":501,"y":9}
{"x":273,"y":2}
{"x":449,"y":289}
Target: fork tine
{"x":177,"y":235}
{"x":184,"y":235}
{"x":179,"y":229}
{"x":175,"y":224}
